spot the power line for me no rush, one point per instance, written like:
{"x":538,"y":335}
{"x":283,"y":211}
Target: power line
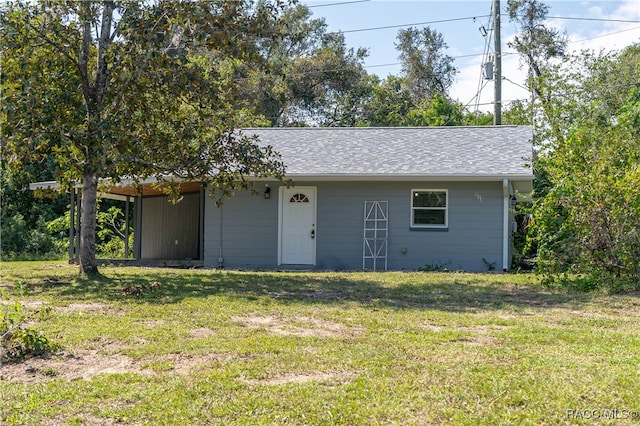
{"x":471,"y":55}
{"x":440,"y":21}
{"x":337,"y":4}
{"x":605,"y":35}
{"x":476,"y":96}
{"x":485,"y":56}
{"x":569,"y":18}
{"x":506,"y":53}
{"x":516,"y":84}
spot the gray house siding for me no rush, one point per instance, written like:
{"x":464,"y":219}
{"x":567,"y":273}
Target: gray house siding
{"x":250,"y":227}
{"x":243,"y":231}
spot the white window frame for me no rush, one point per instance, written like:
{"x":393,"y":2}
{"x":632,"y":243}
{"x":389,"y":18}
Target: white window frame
{"x":412,"y":223}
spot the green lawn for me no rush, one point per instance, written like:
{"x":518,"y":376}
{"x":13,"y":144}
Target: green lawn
{"x":190,"y":347}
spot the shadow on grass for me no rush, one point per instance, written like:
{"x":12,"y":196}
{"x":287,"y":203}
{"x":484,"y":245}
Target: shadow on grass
{"x":446,"y":292}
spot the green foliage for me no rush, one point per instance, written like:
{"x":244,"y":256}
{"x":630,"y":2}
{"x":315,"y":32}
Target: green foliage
{"x":17,"y":341}
{"x":391,"y":105}
{"x":310,"y":77}
{"x":111,"y":230}
{"x":440,"y":111}
{"x":426,"y":69}
{"x":26,"y":342}
{"x":434,"y":267}
{"x":586,"y":208}
{"x":18,"y":241}
{"x":588,"y":221}
{"x":132,"y":90}
{"x":25,"y":217}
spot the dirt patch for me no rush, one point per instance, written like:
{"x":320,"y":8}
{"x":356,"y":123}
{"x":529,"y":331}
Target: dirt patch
{"x":337,"y":377}
{"x":185,"y":364}
{"x":480,"y":340}
{"x":434,"y":328}
{"x":81,"y":366}
{"x":298,"y":326}
{"x":84,"y":307}
{"x":255,"y":322}
{"x":106,"y":345}
{"x":595,"y":315}
{"x":88,"y":419}
{"x":58,"y":266}
{"x":482,"y":328}
{"x":480,"y":335}
{"x":479,"y":329}
{"x":154,"y":323}
{"x":202,"y":332}
{"x":31,"y":304}
{"x":86,"y":364}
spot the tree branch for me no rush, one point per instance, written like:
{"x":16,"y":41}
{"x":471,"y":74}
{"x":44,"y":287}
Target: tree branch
{"x":103,"y":43}
{"x":117,"y":100}
{"x":50,"y":42}
{"x":83,"y":58}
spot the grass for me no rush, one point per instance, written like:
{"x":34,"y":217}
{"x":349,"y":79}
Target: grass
{"x":169,"y":346}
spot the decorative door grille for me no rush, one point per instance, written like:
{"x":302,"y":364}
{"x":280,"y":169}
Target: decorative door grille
{"x":376,"y":234}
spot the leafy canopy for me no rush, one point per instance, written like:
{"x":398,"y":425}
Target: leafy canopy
{"x":114,"y":89}
{"x":132,"y":89}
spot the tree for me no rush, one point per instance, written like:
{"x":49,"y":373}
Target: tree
{"x":588,"y":222}
{"x":129,"y":89}
{"x":428,"y":71}
{"x":24,"y":218}
{"x":418,"y":97}
{"x":390,"y":105}
{"x":537,"y":42}
{"x":586,"y":208}
{"x":585,"y":111}
{"x":539,"y":45}
{"x":310,"y":73}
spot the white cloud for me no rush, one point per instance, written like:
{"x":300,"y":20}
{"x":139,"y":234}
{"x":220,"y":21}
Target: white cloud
{"x":583,"y":35}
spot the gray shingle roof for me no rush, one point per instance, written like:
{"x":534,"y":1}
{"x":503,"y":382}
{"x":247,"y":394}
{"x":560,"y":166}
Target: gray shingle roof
{"x":483,"y":151}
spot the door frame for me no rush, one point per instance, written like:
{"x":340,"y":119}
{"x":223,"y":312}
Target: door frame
{"x":313,"y":190}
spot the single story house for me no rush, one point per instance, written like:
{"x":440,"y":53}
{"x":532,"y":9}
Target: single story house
{"x":362,"y":198}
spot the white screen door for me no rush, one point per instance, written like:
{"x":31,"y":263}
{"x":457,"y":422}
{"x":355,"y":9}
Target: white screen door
{"x":298,"y":226}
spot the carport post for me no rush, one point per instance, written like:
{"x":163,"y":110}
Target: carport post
{"x":201,"y":223}
{"x":126,"y":228}
{"x":78,"y":225}
{"x":72,"y":214}
{"x":137,"y":229}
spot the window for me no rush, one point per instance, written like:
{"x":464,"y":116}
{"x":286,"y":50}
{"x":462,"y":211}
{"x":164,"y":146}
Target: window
{"x":428,"y":208}
{"x":299,"y":198}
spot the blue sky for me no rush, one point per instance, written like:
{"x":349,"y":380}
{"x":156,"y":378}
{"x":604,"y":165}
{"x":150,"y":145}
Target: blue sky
{"x":464,"y":39}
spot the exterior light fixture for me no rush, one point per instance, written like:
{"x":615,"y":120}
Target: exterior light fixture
{"x":267,"y":192}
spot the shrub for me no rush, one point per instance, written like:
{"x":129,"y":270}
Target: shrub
{"x":18,"y":342}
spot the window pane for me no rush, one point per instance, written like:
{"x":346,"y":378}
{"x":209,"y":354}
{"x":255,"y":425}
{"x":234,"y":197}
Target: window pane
{"x":428,"y":217}
{"x":299,"y":198}
{"x":429,"y":199}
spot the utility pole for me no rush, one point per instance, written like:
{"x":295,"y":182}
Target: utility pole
{"x":497,"y":77}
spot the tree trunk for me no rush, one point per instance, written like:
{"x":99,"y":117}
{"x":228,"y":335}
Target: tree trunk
{"x":88,"y":264}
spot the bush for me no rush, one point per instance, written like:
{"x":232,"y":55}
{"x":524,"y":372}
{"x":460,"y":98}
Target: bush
{"x":18,"y":342}
{"x":20,"y":242}
{"x":13,"y":234}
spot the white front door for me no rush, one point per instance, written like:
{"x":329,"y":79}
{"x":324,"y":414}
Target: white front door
{"x":298,"y":225}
